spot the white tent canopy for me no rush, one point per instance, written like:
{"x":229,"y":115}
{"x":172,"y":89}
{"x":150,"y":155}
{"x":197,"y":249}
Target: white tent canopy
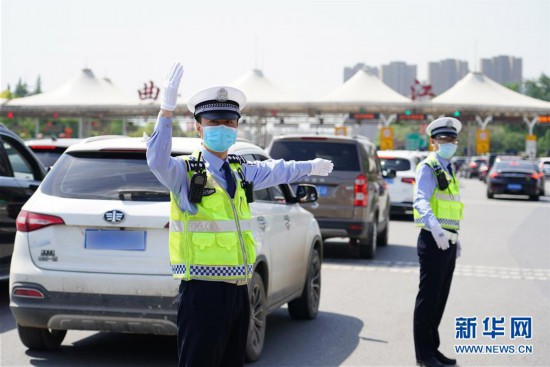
{"x":259,"y":89}
{"x":365,"y":88}
{"x":477,"y":91}
{"x":84,"y":89}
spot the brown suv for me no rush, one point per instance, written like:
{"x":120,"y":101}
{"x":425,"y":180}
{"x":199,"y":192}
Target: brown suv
{"x":353,"y":200}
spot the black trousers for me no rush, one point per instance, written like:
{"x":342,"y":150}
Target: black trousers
{"x":436,"y":274}
{"x":213,"y":320}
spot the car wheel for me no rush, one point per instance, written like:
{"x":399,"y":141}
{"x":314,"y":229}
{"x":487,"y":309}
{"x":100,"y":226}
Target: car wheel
{"x":256,"y":328}
{"x":534,"y":197}
{"x":367,"y":246}
{"x":490,"y":195}
{"x":382,"y":239}
{"x":41,"y":338}
{"x":307,"y":306}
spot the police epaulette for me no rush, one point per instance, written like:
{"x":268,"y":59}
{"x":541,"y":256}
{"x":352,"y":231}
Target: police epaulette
{"x":191,"y":164}
{"x":234,"y":158}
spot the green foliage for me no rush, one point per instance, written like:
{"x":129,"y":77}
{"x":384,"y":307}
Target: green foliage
{"x":513,"y":86}
{"x":21,"y":89}
{"x":539,"y":89}
{"x":6,"y":93}
{"x":38,"y":86}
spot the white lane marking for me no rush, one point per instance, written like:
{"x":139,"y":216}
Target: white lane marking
{"x":481,"y":271}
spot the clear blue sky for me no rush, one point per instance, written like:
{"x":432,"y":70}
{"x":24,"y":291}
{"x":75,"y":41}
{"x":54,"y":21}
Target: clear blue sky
{"x":300,"y":45}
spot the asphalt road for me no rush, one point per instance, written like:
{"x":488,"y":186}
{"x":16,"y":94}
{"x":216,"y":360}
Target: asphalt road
{"x":366,"y":309}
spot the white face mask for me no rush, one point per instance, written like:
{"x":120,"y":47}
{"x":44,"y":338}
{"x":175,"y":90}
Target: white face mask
{"x":446,"y":150}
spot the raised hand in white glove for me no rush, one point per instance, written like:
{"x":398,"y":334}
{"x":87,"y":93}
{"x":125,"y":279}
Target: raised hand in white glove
{"x":440,"y":238}
{"x":321,"y":167}
{"x":171,"y":85}
{"x":458,"y":249}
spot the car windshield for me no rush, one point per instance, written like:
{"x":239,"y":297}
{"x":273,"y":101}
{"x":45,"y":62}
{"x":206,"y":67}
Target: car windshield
{"x":512,"y":165}
{"x":104,"y":176}
{"x":47,"y":157}
{"x":398,"y":164}
{"x":344,"y":156}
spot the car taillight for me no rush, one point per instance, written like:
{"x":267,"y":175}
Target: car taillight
{"x":28,"y":221}
{"x":360,"y":191}
{"x":535,"y":176}
{"x":473,"y":164}
{"x":408,"y":180}
{"x":42,"y":147}
{"x":493,"y":175}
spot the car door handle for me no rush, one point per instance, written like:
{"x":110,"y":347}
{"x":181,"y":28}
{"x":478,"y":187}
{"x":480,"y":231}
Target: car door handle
{"x":287,"y":221}
{"x":262,"y":223}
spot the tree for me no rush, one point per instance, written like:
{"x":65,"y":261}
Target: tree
{"x":6,"y":93}
{"x":513,"y":86}
{"x":38,"y":87}
{"x":539,"y":89}
{"x":21,"y":89}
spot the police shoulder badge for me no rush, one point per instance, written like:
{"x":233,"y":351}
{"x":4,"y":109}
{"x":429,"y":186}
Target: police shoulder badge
{"x":221,"y":95}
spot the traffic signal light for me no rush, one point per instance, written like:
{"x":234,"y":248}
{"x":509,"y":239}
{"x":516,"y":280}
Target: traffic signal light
{"x":408,"y":112}
{"x":9,"y":115}
{"x":456,"y":114}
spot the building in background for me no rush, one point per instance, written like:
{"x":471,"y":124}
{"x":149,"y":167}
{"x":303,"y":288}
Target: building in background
{"x":350,"y":71}
{"x":399,"y":76}
{"x":443,"y":74}
{"x":503,"y":69}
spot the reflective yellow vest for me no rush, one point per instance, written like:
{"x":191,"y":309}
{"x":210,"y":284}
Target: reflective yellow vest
{"x":445,"y":204}
{"x":217,"y":242}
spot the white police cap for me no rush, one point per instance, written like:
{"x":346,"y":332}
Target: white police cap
{"x":444,"y":126}
{"x":216,"y":103}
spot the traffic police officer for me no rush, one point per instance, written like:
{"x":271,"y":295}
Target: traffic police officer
{"x":438,"y":211}
{"x":210,"y":240}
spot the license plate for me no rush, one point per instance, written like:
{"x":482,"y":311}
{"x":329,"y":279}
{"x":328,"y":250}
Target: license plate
{"x":389,"y":180}
{"x":97,"y":239}
{"x":322,"y":190}
{"x":514,"y":187}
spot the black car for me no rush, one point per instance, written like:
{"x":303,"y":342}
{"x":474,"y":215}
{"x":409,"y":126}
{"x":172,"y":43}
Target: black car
{"x":514,"y":177}
{"x":20,"y":174}
{"x":353,"y":200}
{"x":48,"y":150}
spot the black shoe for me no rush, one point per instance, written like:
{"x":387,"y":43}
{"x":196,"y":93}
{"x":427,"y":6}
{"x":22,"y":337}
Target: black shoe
{"x":444,"y":360}
{"x":430,"y":362}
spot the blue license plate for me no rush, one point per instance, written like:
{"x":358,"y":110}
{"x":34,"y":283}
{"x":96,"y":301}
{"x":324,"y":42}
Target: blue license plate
{"x":97,"y":239}
{"x":514,"y":187}
{"x":322,"y":190}
{"x":389,"y":180}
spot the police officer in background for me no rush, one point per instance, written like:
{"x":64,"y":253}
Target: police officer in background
{"x":211,"y":246}
{"x":438,"y":211}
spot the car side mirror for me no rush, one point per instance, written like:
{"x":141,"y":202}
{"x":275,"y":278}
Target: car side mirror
{"x":306,"y":193}
{"x":388,"y":173}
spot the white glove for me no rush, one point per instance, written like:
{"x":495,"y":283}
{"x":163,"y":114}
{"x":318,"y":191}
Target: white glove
{"x":440,"y":238}
{"x":171,"y":85}
{"x":321,"y":167}
{"x":458,"y":249}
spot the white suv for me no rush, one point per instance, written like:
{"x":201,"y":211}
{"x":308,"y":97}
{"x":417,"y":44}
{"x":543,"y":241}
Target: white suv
{"x":401,"y":187}
{"x":91,"y":249}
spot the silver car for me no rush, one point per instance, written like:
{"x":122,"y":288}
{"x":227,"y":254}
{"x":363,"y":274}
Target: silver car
{"x":91,"y":249}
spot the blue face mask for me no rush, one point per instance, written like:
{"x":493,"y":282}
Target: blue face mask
{"x":446,"y":150}
{"x":219,"y":138}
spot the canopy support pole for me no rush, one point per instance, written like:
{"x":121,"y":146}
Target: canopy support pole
{"x":531,"y":123}
{"x":483,"y":123}
{"x":387,"y":121}
{"x":37,"y":128}
{"x":80,"y":127}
